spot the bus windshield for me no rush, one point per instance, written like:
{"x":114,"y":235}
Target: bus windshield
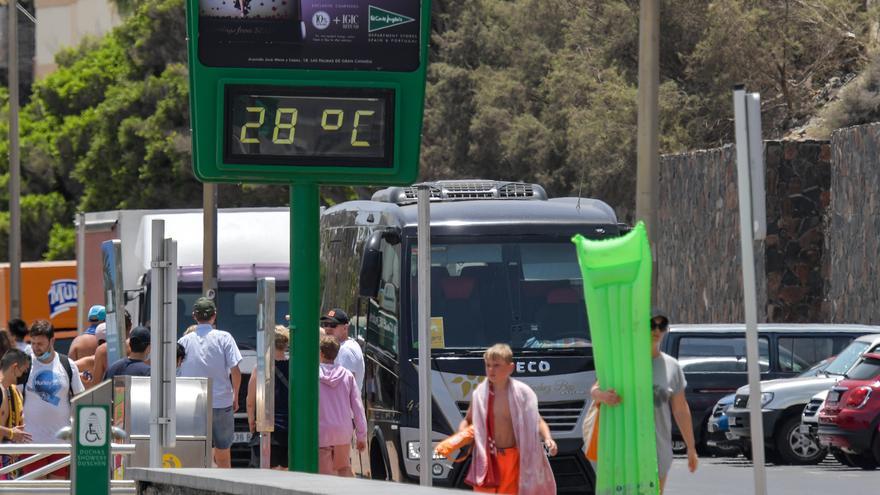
{"x":527,"y":294}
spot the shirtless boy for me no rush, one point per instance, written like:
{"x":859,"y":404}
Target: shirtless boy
{"x":508,"y":429}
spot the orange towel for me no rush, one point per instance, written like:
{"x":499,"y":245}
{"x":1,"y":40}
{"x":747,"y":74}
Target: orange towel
{"x":508,"y":473}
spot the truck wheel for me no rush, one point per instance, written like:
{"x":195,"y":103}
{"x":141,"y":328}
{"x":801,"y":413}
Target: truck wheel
{"x":795,"y":447}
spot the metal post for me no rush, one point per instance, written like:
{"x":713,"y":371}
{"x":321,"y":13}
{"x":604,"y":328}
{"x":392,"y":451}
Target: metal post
{"x":80,"y":271}
{"x":14,"y":166}
{"x":166,"y":352}
{"x":157,"y":319}
{"x":209,"y":245}
{"x":750,"y":303}
{"x":265,"y":407}
{"x":648,"y":147}
{"x":304,"y":286}
{"x":426,"y":446}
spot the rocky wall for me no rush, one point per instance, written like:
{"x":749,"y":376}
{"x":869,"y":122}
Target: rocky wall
{"x":854,"y":240}
{"x":698,"y":247}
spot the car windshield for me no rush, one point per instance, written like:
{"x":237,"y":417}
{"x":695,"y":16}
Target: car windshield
{"x":847,"y":357}
{"x":817,"y":368}
{"x":865,"y":369}
{"x":528,"y":294}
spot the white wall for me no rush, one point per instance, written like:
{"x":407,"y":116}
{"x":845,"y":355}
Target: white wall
{"x":64,"y":23}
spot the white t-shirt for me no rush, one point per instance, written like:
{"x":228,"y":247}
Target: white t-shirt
{"x":47,"y":399}
{"x":351,"y":357}
{"x":211,"y":353}
{"x":23,"y":347}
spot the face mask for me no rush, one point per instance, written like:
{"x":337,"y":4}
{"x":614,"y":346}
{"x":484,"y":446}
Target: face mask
{"x":45,"y":356}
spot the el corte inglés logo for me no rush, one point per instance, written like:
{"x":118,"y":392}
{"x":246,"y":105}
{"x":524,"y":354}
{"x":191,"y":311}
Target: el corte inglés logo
{"x":383,"y":19}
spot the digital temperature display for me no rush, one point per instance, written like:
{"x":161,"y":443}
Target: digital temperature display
{"x":309,"y":126}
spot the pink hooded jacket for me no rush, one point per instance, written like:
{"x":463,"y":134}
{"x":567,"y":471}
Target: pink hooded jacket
{"x":339,"y":401}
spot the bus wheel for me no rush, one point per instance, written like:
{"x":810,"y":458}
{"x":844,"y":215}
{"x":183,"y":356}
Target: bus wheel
{"x":377,"y":463}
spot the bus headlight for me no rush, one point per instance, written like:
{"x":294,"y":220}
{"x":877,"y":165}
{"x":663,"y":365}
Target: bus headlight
{"x":413,"y":452}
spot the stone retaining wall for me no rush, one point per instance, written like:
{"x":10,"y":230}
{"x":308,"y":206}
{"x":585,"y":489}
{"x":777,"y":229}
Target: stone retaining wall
{"x":854,"y":241}
{"x":698,"y":247}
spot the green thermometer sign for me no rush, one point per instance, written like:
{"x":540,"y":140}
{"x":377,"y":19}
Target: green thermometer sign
{"x":307,"y":91}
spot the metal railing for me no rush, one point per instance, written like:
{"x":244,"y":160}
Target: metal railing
{"x":30,"y":483}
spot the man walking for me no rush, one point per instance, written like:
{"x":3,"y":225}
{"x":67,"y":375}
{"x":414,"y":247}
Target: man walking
{"x":14,"y":366}
{"x":336,"y":323}
{"x":19,"y":330}
{"x":51,"y":384}
{"x":669,"y":385}
{"x":214,"y":354}
{"x":133,"y":364}
{"x":86,"y":343}
{"x":508,"y":455}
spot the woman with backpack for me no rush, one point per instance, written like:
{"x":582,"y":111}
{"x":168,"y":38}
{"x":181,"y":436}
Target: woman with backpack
{"x":282,"y":387}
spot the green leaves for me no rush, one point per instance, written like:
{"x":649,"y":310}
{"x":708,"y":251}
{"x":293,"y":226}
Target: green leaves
{"x":546,"y":90}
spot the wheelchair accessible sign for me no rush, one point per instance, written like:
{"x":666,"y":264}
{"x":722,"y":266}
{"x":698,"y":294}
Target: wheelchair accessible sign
{"x":90,"y":473}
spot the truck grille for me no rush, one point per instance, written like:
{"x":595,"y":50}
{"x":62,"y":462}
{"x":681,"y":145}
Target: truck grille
{"x":560,"y":416}
{"x":741,"y":401}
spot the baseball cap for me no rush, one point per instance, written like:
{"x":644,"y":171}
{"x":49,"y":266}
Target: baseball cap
{"x":101,"y":331}
{"x":204,"y":308}
{"x":97,"y":313}
{"x":659,"y":316}
{"x":139,"y":339}
{"x":335,"y":315}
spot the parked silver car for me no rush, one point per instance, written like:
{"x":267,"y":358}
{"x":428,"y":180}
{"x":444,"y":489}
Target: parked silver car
{"x":783,"y":402}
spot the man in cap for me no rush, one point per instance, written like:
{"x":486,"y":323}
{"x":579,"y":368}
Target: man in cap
{"x":133,"y":364}
{"x":335,"y":323}
{"x":669,"y":385}
{"x":85,"y":343}
{"x":214,"y":354}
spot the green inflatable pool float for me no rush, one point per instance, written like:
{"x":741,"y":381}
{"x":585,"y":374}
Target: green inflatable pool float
{"x":617,"y":290}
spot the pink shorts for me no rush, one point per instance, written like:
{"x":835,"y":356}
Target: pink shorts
{"x":335,"y":460}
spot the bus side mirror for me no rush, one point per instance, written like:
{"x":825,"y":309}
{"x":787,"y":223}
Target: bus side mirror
{"x":371,"y":266}
{"x":371,"y":263}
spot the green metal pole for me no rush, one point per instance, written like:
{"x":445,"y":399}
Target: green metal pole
{"x":304,"y":314}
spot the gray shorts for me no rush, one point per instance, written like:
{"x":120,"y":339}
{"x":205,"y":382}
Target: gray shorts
{"x":223,"y":427}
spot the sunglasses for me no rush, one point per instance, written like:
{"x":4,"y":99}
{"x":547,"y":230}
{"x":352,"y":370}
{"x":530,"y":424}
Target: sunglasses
{"x":659,"y":326}
{"x":329,"y":325}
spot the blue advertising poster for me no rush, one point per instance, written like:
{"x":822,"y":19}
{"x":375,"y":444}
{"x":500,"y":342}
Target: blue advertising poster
{"x":111,"y":251}
{"x":310,"y":34}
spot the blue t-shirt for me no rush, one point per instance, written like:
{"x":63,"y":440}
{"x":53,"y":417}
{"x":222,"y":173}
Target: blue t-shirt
{"x":127,"y":367}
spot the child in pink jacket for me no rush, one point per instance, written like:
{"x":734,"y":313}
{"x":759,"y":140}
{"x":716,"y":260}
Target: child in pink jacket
{"x":339,"y":401}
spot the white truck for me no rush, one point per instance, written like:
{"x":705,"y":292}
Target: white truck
{"x":251,"y":243}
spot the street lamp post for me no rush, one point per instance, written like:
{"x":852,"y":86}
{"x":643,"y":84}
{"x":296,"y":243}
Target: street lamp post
{"x":648,"y":147}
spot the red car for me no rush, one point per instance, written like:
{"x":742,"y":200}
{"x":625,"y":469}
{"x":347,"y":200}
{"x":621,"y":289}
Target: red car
{"x":850,"y":418}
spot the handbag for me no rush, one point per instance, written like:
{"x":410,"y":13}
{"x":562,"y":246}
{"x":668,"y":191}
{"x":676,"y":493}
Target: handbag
{"x":591,"y":433}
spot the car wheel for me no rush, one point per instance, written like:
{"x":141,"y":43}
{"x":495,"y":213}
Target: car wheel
{"x":865,"y":461}
{"x":795,"y":447}
{"x":841,"y":457}
{"x":875,"y":447}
